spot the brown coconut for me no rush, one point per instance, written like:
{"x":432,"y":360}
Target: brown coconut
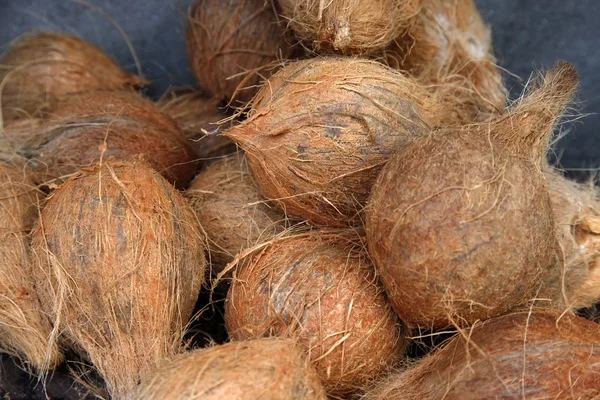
{"x":42,"y":67}
{"x":449,"y":42}
{"x":321,"y":289}
{"x":201,"y":121}
{"x":234,"y":214}
{"x":102,"y":125}
{"x":460,"y":223}
{"x":349,"y":26}
{"x":320,"y":131}
{"x":24,"y":329}
{"x":120,"y":263}
{"x":233,"y":44}
{"x":517,"y":356}
{"x":269,"y":369}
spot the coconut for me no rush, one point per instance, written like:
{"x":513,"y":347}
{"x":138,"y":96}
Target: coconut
{"x":460,"y":223}
{"x":267,"y":369}
{"x":349,"y":26}
{"x":120,"y":125}
{"x":120,"y":263}
{"x":234,"y":214}
{"x":24,"y":329}
{"x":449,"y":42}
{"x":320,"y":288}
{"x":517,"y":356}
{"x":200,"y":120}
{"x":230,"y":44}
{"x":320,"y":131}
{"x":42,"y":67}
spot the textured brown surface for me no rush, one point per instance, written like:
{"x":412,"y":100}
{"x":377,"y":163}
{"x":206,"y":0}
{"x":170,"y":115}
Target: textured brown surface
{"x":269,"y":369}
{"x":120,"y":262}
{"x":227,"y":39}
{"x":517,"y":356}
{"x":320,"y":288}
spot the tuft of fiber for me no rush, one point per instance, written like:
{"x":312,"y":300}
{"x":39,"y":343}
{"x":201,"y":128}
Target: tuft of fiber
{"x":24,"y":328}
{"x":349,"y":26}
{"x":517,"y":356}
{"x":460,"y":223}
{"x":120,"y":261}
{"x":269,"y":369}
{"x":233,"y":44}
{"x":449,"y":42}
{"x":320,"y":288}
{"x":41,"y":67}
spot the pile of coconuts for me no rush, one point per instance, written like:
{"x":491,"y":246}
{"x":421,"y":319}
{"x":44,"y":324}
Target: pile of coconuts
{"x":348,"y":206}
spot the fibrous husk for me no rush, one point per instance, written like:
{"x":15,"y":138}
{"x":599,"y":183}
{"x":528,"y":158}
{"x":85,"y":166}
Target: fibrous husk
{"x":201,"y":121}
{"x":42,"y":67}
{"x":320,"y":130}
{"x":449,"y":42}
{"x":269,"y":369}
{"x":120,"y":262}
{"x":320,"y":288}
{"x":516,"y":356}
{"x":460,"y":223}
{"x":108,"y":125}
{"x":234,"y":214}
{"x":24,"y":328}
{"x":349,"y":26}
{"x":230,"y":44}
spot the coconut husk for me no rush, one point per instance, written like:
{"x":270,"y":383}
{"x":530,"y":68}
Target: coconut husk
{"x":120,"y":262}
{"x":233,"y":44}
{"x":320,"y":288}
{"x":42,"y":67}
{"x":320,"y":131}
{"x":269,"y":369}
{"x":201,"y":121}
{"x":233,"y":213}
{"x":349,"y":26}
{"x":24,"y":328}
{"x":460,"y":223}
{"x":86,"y":128}
{"x":450,"y":42}
{"x":517,"y":356}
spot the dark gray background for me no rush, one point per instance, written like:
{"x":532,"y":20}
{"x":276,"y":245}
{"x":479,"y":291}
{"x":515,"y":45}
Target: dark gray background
{"x":527,"y":35}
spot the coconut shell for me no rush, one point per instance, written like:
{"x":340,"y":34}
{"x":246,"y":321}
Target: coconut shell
{"x":24,"y":329}
{"x":269,"y":369}
{"x":234,"y":214}
{"x":120,"y":263}
{"x":349,"y":26}
{"x":449,"y":42}
{"x":320,"y":131}
{"x":517,"y":356}
{"x":200,"y":120}
{"x":230,"y":44}
{"x":460,"y":223}
{"x":108,"y":125}
{"x":321,"y":289}
{"x":42,"y":67}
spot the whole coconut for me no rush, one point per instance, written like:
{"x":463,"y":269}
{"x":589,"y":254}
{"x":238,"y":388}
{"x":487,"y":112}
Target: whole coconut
{"x":516,"y":356}
{"x":460,"y":223}
{"x":234,"y":214}
{"x":321,"y":289}
{"x":42,"y":67}
{"x":349,"y":26}
{"x":233,"y":44}
{"x":449,"y":42}
{"x":120,"y":263}
{"x":86,"y":128}
{"x":269,"y":369}
{"x":24,"y":329}
{"x":320,"y":131}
